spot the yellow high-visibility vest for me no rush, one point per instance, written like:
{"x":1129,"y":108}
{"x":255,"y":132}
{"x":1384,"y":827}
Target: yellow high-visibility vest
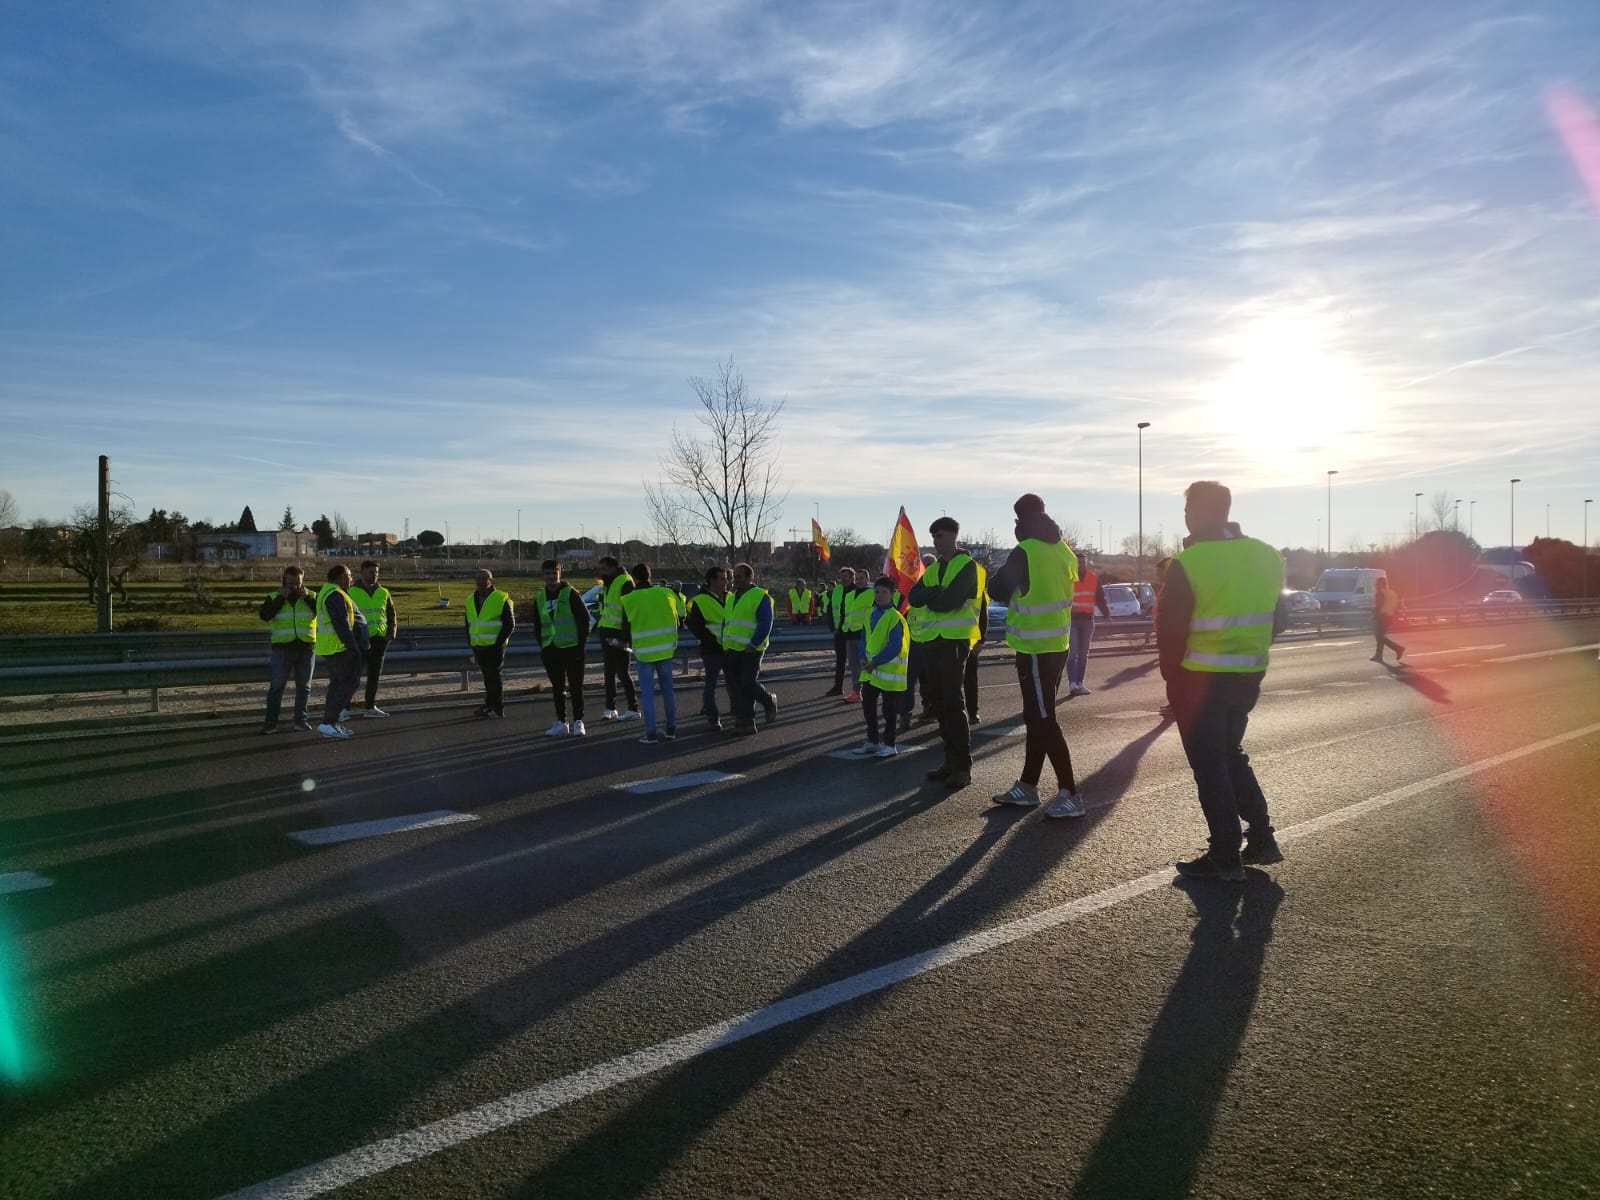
{"x":652,"y":614}
{"x":611,"y":601}
{"x":889,"y":676}
{"x":1236,"y":584}
{"x":328,"y":639}
{"x":956,"y":624}
{"x":483,"y":626}
{"x":739,"y":623}
{"x":557,"y":626}
{"x":296,"y":621}
{"x":374,"y":607}
{"x":1039,"y":621}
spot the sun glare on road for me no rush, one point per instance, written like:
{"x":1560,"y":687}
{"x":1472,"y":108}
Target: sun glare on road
{"x":1288,"y":399}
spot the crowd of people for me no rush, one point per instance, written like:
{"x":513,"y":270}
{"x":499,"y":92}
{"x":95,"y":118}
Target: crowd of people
{"x":1217,"y":614}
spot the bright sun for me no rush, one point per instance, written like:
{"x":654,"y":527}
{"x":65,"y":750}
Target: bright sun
{"x":1287,"y":399}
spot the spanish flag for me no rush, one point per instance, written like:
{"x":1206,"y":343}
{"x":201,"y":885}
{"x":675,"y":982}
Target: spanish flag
{"x":904,"y":561}
{"x":817,"y":540}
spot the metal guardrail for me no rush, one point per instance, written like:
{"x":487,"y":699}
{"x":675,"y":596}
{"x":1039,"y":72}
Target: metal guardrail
{"x":117,"y":662}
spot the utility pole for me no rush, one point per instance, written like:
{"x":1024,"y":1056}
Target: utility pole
{"x":102,"y":581}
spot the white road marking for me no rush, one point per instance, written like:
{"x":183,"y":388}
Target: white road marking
{"x":378,"y":828}
{"x":1003,"y":731}
{"x":668,"y":783}
{"x":1143,"y":714}
{"x":1313,"y":645}
{"x":854,"y":757}
{"x":1346,"y":683}
{"x":1545,"y":653}
{"x":1456,"y":650}
{"x":1287,"y":692}
{"x":23,"y":881}
{"x":403,"y":1148}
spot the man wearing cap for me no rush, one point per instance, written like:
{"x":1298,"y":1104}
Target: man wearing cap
{"x":1219,"y":611}
{"x":1035,"y":584}
{"x":946,"y":593}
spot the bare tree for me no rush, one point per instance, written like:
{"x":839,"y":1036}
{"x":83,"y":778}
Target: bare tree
{"x":1441,"y":508}
{"x":8,"y":509}
{"x":842,"y":538}
{"x":76,"y":546}
{"x":722,"y":486}
{"x":343,"y":535}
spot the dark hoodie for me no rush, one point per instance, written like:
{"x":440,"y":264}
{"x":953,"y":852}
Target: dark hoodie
{"x":1012,"y":578}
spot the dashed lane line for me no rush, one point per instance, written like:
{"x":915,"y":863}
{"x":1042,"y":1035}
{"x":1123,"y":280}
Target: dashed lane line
{"x":1544,"y":653}
{"x":852,"y":756}
{"x":408,"y":1147}
{"x":23,"y":881}
{"x":669,"y":783}
{"x":379,"y":828}
{"x":1454,"y":650}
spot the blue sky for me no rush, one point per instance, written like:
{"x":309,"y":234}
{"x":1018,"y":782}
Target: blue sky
{"x":443,"y":261}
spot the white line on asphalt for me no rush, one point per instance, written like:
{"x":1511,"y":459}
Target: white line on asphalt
{"x":23,"y":881}
{"x":667,"y":783}
{"x":378,"y":828}
{"x":1544,"y":653}
{"x":852,"y":755}
{"x":1346,"y":683}
{"x":385,"y":1155}
{"x":1142,"y":714}
{"x":1456,"y":650}
{"x":1312,"y":645}
{"x":1287,"y":692}
{"x":1002,"y":731}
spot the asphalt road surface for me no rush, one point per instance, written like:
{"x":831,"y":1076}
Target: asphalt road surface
{"x":805,"y":976}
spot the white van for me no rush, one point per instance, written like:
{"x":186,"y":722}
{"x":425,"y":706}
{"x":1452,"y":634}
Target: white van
{"x":1346,"y":588}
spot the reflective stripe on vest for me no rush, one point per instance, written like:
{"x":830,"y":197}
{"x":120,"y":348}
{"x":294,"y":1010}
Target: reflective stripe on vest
{"x":739,"y":625}
{"x":799,"y":602}
{"x":483,"y":627}
{"x":980,"y":601}
{"x":328,"y":639}
{"x":652,"y":614}
{"x":917,"y":624}
{"x":611,"y":602}
{"x":856,"y":607}
{"x":956,"y":624}
{"x":1235,"y":584}
{"x":889,"y":676}
{"x":374,"y":607}
{"x":295,"y":622}
{"x":711,"y":611}
{"x":558,"y":626}
{"x":1039,"y":621}
{"x":1083,"y":594}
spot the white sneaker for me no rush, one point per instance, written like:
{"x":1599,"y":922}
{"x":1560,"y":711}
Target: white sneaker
{"x":630,"y":715}
{"x":610,"y":714}
{"x":374,"y":713}
{"x":578,"y":730}
{"x":344,"y":714}
{"x":866,"y":749}
{"x":333,"y":731}
{"x":1019,"y":795}
{"x":1065,"y":804}
{"x":886,"y":752}
{"x":1077,"y":689}
{"x":559,"y":729}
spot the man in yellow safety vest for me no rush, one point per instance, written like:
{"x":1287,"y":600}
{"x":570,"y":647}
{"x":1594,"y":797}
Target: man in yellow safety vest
{"x":377,"y":606}
{"x":615,"y":583}
{"x":341,"y":645}
{"x":292,"y":612}
{"x":491,"y":619}
{"x":946,"y":593}
{"x":650,"y":625}
{"x":1219,"y":611}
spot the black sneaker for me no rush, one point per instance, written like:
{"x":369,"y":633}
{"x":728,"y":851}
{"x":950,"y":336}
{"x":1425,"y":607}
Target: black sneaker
{"x":1260,"y":850}
{"x":771,"y":707}
{"x":649,"y":739}
{"x":303,"y":725}
{"x":743,"y":730}
{"x":669,"y":734}
{"x":939,"y":773}
{"x":270,"y":727}
{"x":834,"y":691}
{"x":957,"y":780}
{"x":1208,"y":866}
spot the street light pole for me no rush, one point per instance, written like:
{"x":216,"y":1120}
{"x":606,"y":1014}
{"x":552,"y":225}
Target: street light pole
{"x":1472,"y":522}
{"x":1416,"y":535}
{"x":1455,"y":521}
{"x":519,"y":541}
{"x":1416,"y":516}
{"x":1586,"y":504}
{"x":1143,"y":425}
{"x":1331,"y":474}
{"x":1100,"y":543}
{"x":1514,"y":483}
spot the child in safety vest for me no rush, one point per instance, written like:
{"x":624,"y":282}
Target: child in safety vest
{"x":885,"y":643}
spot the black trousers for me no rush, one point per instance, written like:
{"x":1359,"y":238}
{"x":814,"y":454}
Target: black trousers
{"x":492,"y":662}
{"x":344,"y":676}
{"x":969,"y":679}
{"x":1213,"y":711}
{"x":870,"y":695}
{"x":1039,"y":677}
{"x":376,"y":649}
{"x":943,"y":664}
{"x":1380,"y":632}
{"x":617,"y":666}
{"x":841,"y":641}
{"x":564,"y":665}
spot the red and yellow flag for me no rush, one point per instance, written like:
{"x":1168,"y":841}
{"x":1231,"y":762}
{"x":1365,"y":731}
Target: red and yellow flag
{"x":904,"y":561}
{"x":817,"y":540}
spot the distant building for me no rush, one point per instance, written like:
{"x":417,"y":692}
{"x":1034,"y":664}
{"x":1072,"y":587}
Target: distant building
{"x":239,"y":547}
{"x":377,"y":543}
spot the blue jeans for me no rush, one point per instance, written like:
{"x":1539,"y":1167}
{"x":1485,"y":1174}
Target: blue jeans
{"x":651,"y":676}
{"x":289,"y":660}
{"x":1212,"y":709}
{"x":714,"y":665}
{"x":1078,"y":647}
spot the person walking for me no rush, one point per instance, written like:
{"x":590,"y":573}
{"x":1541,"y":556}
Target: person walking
{"x":885,"y":646}
{"x":1088,"y":594}
{"x":1220,"y":609}
{"x":706,"y":614}
{"x":802,"y":603}
{"x":292,"y":613}
{"x":1385,"y":607}
{"x":614,"y":585}
{"x":1036,"y":585}
{"x":377,"y":607}
{"x":746,"y":632}
{"x":341,"y":645}
{"x":561,"y":623}
{"x":946,"y":592}
{"x":835,"y":606}
{"x":491,"y":618}
{"x":650,"y":624}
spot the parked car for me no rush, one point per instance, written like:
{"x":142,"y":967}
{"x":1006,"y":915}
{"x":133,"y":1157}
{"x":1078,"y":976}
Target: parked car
{"x":591,"y":601}
{"x":1503,"y":596}
{"x":1121,"y":600}
{"x":1300,"y":602}
{"x":1146,"y":592}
